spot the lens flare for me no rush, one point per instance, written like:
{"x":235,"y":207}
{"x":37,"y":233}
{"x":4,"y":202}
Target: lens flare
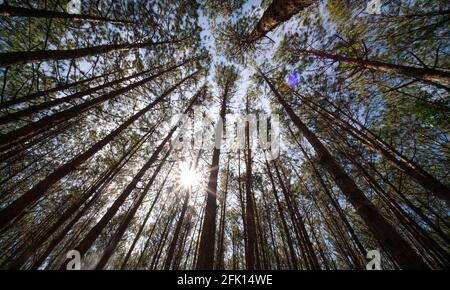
{"x":187,"y":177}
{"x":294,"y":79}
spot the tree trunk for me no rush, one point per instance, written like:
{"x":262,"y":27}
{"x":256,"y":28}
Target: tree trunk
{"x":302,"y":236}
{"x":270,"y":225}
{"x":174,"y":242}
{"x":208,"y":234}
{"x":242,"y":203}
{"x":149,"y":236}
{"x":9,"y":11}
{"x":163,"y":238}
{"x":21,"y":57}
{"x":221,"y":243}
{"x":278,"y":12}
{"x":424,"y":74}
{"x":251,"y":252}
{"x":334,"y":203}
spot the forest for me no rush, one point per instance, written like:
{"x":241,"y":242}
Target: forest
{"x":347,"y":159}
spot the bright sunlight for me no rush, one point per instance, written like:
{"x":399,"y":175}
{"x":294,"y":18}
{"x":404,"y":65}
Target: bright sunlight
{"x":187,"y":176}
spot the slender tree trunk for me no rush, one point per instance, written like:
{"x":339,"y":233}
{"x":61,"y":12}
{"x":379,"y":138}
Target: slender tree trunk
{"x":319,"y":246}
{"x":163,"y":238}
{"x":252,"y":251}
{"x":263,"y":259}
{"x":183,"y":242}
{"x":10,"y":11}
{"x":21,"y":57}
{"x":208,"y":234}
{"x":389,"y":239}
{"x":192,"y":239}
{"x":331,"y":198}
{"x":302,"y":236}
{"x":197,"y":240}
{"x":150,"y":235}
{"x":174,"y":242}
{"x":242,"y":204}
{"x":171,"y":250}
{"x":424,"y":74}
{"x":207,"y":241}
{"x":270,"y":224}
{"x":234,"y":251}
{"x":278,"y":12}
{"x":221,"y":243}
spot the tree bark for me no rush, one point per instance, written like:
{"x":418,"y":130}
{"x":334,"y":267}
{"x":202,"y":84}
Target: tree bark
{"x":21,"y":57}
{"x":278,"y":12}
{"x":208,"y":234}
{"x":424,"y":74}
{"x":252,"y":251}
{"x":10,"y":11}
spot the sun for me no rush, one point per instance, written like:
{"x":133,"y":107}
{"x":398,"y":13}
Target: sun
{"x":188,"y":177}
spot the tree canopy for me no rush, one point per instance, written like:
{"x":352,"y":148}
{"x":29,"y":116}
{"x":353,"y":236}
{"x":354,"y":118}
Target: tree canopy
{"x":271,"y":134}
